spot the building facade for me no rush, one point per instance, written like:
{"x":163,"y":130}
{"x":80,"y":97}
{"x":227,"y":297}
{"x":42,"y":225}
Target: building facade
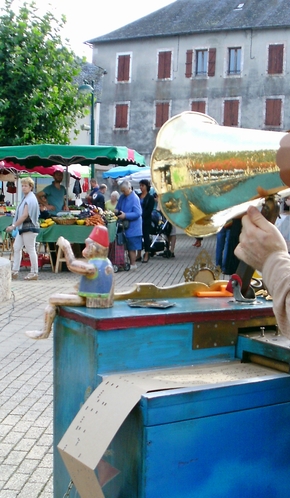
{"x":227,"y":59}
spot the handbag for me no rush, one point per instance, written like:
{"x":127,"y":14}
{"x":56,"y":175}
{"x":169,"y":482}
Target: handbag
{"x":15,"y":232}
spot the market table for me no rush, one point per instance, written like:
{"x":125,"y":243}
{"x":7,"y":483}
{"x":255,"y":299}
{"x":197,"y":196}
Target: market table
{"x":75,"y":234}
{"x":5,"y":221}
{"x":5,"y":238}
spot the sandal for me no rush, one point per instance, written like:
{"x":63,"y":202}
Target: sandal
{"x":197,"y":243}
{"x":14,"y":275}
{"x":31,"y":276}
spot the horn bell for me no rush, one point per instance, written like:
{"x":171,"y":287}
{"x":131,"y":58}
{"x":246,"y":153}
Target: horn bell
{"x":206,"y":174}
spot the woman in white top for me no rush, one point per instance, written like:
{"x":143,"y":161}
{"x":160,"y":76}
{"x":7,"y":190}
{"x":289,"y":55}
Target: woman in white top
{"x":26,"y":221}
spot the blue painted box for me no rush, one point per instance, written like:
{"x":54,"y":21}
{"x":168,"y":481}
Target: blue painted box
{"x":214,"y":439}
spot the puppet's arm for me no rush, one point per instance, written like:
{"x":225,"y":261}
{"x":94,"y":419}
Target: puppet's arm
{"x":75,"y":265}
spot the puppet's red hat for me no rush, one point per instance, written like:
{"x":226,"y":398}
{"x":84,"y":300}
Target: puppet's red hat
{"x":100,"y":235}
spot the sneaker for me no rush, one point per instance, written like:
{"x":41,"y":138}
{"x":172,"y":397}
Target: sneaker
{"x":133,"y":267}
{"x":31,"y":276}
{"x":14,"y":275}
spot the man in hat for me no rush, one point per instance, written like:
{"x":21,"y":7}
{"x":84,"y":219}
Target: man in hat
{"x":96,"y":289}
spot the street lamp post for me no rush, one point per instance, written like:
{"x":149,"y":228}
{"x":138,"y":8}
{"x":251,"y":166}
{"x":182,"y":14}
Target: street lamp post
{"x":86,"y":88}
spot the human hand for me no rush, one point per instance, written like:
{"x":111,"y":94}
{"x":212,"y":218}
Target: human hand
{"x":60,"y":242}
{"x":121,"y":216}
{"x":258,"y":239}
{"x":9,"y":229}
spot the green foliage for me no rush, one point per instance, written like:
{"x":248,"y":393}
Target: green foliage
{"x":39,"y":98}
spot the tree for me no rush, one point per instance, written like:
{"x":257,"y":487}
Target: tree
{"x":39,"y":98}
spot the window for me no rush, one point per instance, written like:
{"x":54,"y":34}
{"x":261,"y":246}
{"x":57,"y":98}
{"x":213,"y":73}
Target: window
{"x":201,"y":62}
{"x":122,"y":116}
{"x":161,"y":113}
{"x":275,"y":59}
{"x":164,"y":65}
{"x":231,"y":112}
{"x":235,"y":55}
{"x":273,"y":115}
{"x":204,"y":62}
{"x":123,"y":68}
{"x":198,"y":106}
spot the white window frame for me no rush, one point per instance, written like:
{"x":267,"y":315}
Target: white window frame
{"x":277,"y":75}
{"x":200,"y":75}
{"x":227,"y":55}
{"x":274,"y":97}
{"x":205,"y":100}
{"x":154,"y":113}
{"x":240,"y":109}
{"x":171,"y":64}
{"x":118,"y":54}
{"x":126,"y":102}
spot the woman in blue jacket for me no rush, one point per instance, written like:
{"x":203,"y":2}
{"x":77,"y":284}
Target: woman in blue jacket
{"x":129,"y":212}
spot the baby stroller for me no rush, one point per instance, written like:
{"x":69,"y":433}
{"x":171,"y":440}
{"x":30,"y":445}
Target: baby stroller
{"x":160,"y":229}
{"x":118,"y":254}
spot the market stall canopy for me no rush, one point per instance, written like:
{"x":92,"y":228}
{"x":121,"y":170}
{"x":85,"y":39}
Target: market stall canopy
{"x":75,"y":170}
{"x":47,"y":155}
{"x":122,"y":171}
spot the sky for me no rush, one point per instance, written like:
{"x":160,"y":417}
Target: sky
{"x":87,"y":19}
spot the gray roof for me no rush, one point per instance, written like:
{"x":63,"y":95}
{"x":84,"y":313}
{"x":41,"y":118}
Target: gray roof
{"x":195,"y":16}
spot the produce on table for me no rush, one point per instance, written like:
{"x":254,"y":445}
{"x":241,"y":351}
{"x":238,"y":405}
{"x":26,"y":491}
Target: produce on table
{"x":46,"y":223}
{"x":95,"y":219}
{"x":110,"y":216}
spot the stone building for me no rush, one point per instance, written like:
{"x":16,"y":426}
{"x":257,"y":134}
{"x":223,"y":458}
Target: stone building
{"x":228,"y":59}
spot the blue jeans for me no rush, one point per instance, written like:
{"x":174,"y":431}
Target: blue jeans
{"x":222,"y":240}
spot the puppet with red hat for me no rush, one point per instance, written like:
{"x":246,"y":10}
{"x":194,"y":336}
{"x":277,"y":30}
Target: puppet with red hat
{"x":96,"y":289}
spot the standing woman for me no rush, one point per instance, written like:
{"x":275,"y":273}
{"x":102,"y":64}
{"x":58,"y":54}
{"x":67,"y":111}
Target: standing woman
{"x":26,"y":220}
{"x":147,"y":203}
{"x":111,"y":204}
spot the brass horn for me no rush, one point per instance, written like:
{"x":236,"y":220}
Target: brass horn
{"x":206,"y":174}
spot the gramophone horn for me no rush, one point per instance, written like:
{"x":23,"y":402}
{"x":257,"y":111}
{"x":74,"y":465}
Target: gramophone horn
{"x":206,"y":174}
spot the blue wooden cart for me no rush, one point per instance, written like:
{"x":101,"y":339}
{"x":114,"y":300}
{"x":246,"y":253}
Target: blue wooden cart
{"x":223,"y":432}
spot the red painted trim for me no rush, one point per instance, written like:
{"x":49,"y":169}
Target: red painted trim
{"x":120,"y":323}
{"x":131,"y":155}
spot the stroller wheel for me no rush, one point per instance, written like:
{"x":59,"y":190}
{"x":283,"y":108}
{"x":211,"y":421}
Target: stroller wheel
{"x":167,"y":254}
{"x":116,"y":269}
{"x":127,"y":267}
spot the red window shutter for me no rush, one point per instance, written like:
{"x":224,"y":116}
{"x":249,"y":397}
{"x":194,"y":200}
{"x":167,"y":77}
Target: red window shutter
{"x":231,"y":112}
{"x":273,"y":112}
{"x":211,"y":61}
{"x":121,"y":120}
{"x":188,"y":63}
{"x":275,"y":61}
{"x":123,"y":68}
{"x":164,"y":65}
{"x":162,"y":113}
{"x":198,"y":106}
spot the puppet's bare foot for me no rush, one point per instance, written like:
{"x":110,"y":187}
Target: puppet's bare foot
{"x":37,"y":334}
{"x":49,"y":315}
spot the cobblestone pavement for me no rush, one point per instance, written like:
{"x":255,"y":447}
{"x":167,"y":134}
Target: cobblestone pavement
{"x":26,"y":367}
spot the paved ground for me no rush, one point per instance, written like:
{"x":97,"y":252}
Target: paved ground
{"x":26,"y":368}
